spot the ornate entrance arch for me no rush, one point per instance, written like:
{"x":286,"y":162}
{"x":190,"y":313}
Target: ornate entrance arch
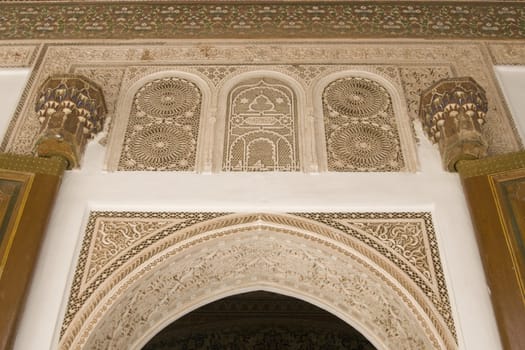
{"x":139,"y":272}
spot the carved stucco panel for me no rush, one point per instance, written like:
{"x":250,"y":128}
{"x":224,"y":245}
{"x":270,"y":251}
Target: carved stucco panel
{"x":252,"y":260}
{"x":163,"y":126}
{"x":110,"y":81}
{"x":360,"y":126}
{"x":465,"y":58}
{"x":114,"y":238}
{"x":17,"y":55}
{"x":415,"y":79}
{"x":192,"y":258}
{"x":261,"y":127}
{"x":507,"y":53}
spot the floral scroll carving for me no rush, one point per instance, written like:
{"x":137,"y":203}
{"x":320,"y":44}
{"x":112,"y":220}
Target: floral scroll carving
{"x":169,"y":263}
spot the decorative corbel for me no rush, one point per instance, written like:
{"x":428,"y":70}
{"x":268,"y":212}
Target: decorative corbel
{"x":71,"y":110}
{"x":452,"y":112}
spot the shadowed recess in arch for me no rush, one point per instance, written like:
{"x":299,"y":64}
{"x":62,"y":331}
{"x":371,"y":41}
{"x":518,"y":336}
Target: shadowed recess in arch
{"x":256,"y":321}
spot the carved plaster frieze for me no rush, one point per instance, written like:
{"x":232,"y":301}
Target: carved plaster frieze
{"x":380,"y":272}
{"x":128,"y":124}
{"x":457,"y":58}
{"x":507,"y":53}
{"x":188,"y":19}
{"x":17,"y":55}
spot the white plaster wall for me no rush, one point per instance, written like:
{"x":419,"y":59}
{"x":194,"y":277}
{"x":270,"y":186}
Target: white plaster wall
{"x":431,"y":189}
{"x":12,"y":82}
{"x":512,"y":82}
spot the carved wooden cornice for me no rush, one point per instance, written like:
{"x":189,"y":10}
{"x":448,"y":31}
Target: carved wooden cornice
{"x":261,"y":19}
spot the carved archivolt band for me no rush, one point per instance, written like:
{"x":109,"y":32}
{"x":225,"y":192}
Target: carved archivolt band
{"x":137,"y":272}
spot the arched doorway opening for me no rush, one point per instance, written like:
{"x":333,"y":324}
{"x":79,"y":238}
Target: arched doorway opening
{"x":259,"y":320}
{"x":175,"y":263}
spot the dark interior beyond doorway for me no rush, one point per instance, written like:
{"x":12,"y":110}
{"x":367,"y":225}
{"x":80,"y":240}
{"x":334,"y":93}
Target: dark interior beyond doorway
{"x":259,"y":321}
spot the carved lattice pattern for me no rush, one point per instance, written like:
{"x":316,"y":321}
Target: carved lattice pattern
{"x":163,"y":127}
{"x":360,"y":129}
{"x":261,"y":130}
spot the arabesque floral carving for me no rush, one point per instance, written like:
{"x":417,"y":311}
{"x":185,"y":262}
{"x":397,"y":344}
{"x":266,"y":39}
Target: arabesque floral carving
{"x":167,"y":261}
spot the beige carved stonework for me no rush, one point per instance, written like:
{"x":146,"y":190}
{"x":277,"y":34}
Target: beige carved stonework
{"x":360,"y":126}
{"x":71,"y":110}
{"x":261,"y":132}
{"x":408,"y":66}
{"x":237,"y":137}
{"x":17,"y":55}
{"x":507,"y":53}
{"x":452,"y":112}
{"x":138,"y":271}
{"x":163,"y":127}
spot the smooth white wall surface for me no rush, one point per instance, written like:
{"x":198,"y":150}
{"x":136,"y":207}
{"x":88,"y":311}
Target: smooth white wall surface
{"x":12,"y":82}
{"x":512,"y":82}
{"x":431,"y":189}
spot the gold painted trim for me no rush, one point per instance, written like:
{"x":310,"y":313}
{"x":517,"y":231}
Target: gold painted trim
{"x":47,"y":166}
{"x":491,"y":165}
{"x":27,"y":182}
{"x":497,"y":195}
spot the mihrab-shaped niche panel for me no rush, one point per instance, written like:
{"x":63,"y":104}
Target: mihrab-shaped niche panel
{"x":261,"y":130}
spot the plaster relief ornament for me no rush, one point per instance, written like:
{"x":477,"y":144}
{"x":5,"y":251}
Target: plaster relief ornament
{"x":163,"y":127}
{"x":360,"y":128}
{"x":452,"y":112}
{"x":138,"y":271}
{"x":409,"y":66}
{"x":192,"y":20}
{"x":261,"y":131}
{"x":71,"y":110}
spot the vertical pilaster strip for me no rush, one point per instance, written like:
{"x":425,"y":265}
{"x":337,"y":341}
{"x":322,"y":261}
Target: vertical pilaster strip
{"x":495,"y":192}
{"x":28,"y":188}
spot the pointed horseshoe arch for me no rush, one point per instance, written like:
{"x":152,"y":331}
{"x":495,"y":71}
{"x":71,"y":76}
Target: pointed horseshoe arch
{"x":238,"y":253}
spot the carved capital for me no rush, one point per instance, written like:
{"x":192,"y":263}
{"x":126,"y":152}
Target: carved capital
{"x":71,"y":110}
{"x":452,"y":112}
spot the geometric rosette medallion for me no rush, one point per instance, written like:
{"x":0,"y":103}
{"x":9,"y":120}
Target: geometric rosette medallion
{"x":360,"y":127}
{"x":266,"y":121}
{"x":163,"y":127}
